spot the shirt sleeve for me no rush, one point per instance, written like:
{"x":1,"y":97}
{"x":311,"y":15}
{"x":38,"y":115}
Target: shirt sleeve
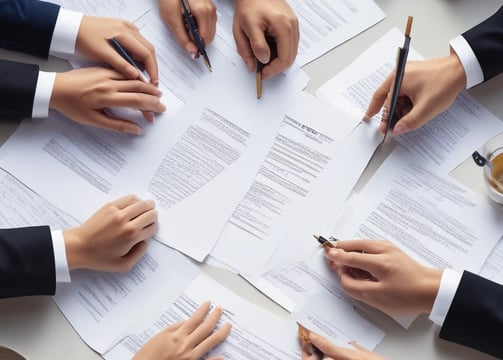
{"x":65,"y":33}
{"x":60,"y":261}
{"x":43,"y":92}
{"x":448,"y":286}
{"x":473,"y":70}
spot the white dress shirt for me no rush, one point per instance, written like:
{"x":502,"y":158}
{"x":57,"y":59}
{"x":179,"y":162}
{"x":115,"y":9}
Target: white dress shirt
{"x":473,"y":71}
{"x":450,"y":278}
{"x":63,"y":43}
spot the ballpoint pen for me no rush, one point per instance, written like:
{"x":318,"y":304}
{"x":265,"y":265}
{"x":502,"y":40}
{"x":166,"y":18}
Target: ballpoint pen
{"x":191,"y":24}
{"x":326,"y":243}
{"x":125,"y":55}
{"x":258,"y":73}
{"x":305,"y":340}
{"x":400,"y":69}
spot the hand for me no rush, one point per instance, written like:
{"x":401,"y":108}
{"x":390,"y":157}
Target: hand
{"x":82,"y":95}
{"x":253,"y":19}
{"x":92,"y":42}
{"x":334,"y":352}
{"x":397,"y":285}
{"x":429,"y":87}
{"x":187,"y":340}
{"x":205,"y":13}
{"x":114,"y":238}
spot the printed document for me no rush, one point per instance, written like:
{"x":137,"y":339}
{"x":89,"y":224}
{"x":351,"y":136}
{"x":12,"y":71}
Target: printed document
{"x":445,"y":141}
{"x":303,"y":151}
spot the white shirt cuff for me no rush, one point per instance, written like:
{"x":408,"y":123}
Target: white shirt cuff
{"x":43,"y":93}
{"x":65,"y":33}
{"x":448,"y":286}
{"x":473,"y":71}
{"x":60,"y":261}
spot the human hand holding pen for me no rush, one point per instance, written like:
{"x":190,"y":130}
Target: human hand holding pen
{"x":83,"y":94}
{"x":400,"y":285}
{"x":205,"y":13}
{"x":253,"y":20}
{"x":92,"y":42}
{"x":428,"y":88}
{"x":332,"y":351}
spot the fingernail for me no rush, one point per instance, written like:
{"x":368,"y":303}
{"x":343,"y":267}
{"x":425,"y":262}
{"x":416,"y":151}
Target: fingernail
{"x":161,"y":107}
{"x":400,"y":129}
{"x":134,"y":131}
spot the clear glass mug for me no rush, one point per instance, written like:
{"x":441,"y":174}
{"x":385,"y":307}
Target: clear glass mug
{"x":493,"y":169}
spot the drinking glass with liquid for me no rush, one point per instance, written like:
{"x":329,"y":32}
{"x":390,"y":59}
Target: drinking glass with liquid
{"x":493,"y":171}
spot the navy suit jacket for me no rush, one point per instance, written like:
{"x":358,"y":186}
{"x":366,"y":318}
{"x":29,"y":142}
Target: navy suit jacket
{"x":27,"y":264}
{"x":27,"y":26}
{"x":475,"y":318}
{"x":486,"y":41}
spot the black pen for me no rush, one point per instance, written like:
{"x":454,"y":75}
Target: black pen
{"x":191,"y":24}
{"x":400,"y":69}
{"x":125,"y":55}
{"x":326,"y":243}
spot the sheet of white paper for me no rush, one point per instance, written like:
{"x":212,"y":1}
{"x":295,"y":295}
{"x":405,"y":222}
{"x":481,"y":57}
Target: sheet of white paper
{"x":212,"y":147}
{"x":255,"y":334}
{"x":323,"y":24}
{"x":303,"y":150}
{"x":445,"y":141}
{"x":316,"y":217}
{"x":102,"y":306}
{"x":20,"y":206}
{"x":129,"y":10}
{"x":337,"y":321}
{"x":432,"y":217}
{"x":493,"y":267}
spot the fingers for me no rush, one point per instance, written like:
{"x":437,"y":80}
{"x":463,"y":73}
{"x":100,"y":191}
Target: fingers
{"x":126,"y":262}
{"x":102,"y":121}
{"x":213,"y":340}
{"x":137,"y":209}
{"x":379,"y":97}
{"x":125,"y":201}
{"x":244,"y":48}
{"x":205,"y":13}
{"x":142,"y":51}
{"x":287,"y":40}
{"x":196,"y":319}
{"x":367,"y":246}
{"x":171,"y":14}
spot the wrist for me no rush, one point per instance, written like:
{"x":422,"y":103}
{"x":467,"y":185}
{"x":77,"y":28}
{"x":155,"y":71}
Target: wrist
{"x":456,"y":70}
{"x":430,"y":283}
{"x":75,"y":254}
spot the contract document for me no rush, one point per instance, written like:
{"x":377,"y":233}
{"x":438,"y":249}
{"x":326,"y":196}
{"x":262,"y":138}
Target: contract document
{"x":432,"y":217}
{"x":186,"y":162}
{"x":255,"y":333}
{"x":303,"y":151}
{"x":445,"y":141}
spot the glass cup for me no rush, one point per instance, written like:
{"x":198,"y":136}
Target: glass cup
{"x":493,"y":171}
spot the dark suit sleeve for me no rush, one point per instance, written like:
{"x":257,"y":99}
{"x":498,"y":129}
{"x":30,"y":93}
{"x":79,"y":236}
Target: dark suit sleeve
{"x":475,"y":318}
{"x":26,"y":262}
{"x":18,"y":82}
{"x":486,"y":41}
{"x":27,"y":25}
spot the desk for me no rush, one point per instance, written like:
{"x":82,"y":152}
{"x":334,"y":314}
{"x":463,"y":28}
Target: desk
{"x":35,"y":327}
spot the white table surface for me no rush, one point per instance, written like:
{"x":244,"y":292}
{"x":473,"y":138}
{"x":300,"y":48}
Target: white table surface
{"x":35,"y":327}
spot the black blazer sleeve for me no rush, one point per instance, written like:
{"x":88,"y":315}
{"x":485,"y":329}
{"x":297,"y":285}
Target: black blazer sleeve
{"x":27,"y":25}
{"x":475,"y":318}
{"x":26,"y":262}
{"x":18,"y":82}
{"x":486,"y":41}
